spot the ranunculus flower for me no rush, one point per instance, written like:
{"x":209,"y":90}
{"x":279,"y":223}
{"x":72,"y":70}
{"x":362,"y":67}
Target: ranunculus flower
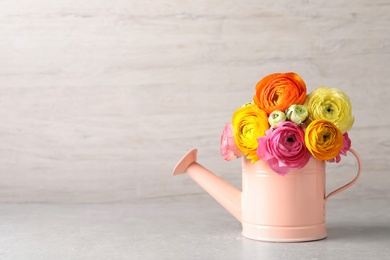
{"x":330,"y":104}
{"x":229,"y":149}
{"x":344,"y":149}
{"x":284,"y":148}
{"x":276,"y":117}
{"x":249,"y":123}
{"x":279,"y":91}
{"x":297,"y":114}
{"x":323,"y":139}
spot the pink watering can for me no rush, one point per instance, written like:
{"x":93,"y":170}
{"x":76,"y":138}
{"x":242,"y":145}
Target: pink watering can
{"x":271,"y":207}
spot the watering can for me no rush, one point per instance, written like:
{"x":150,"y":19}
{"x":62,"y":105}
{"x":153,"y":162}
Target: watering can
{"x":271,"y":207}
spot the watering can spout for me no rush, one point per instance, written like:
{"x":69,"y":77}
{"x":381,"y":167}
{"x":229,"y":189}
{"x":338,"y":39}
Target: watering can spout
{"x":227,"y":195}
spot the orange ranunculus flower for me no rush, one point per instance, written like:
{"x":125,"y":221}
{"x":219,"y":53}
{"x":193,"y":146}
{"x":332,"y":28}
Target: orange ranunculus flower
{"x":249,"y":123}
{"x":279,"y":91}
{"x":323,"y":139}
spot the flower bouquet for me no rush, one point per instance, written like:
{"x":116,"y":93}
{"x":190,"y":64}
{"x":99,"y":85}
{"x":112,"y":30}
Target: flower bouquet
{"x":285,"y":127}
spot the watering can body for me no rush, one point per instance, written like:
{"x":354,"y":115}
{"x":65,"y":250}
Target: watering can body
{"x":283,"y":208}
{"x":271,"y":207}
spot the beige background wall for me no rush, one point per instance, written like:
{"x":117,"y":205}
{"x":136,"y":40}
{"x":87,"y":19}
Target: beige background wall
{"x":100,"y":99}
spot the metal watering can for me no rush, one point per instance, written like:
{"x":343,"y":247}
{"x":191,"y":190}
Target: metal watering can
{"x":271,"y":207}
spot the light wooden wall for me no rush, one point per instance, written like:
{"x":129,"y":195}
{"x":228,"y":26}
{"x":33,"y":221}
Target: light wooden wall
{"x":100,"y":99}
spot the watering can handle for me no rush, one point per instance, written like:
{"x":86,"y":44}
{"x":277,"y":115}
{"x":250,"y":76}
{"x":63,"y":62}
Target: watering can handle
{"x":351,"y":182}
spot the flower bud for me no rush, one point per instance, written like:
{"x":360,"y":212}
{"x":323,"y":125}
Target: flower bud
{"x":276,"y":117}
{"x":248,"y":103}
{"x":297,"y":114}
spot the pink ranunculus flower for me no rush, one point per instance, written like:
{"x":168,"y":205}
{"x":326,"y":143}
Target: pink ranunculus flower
{"x":344,"y":149}
{"x":284,"y":148}
{"x":229,"y":149}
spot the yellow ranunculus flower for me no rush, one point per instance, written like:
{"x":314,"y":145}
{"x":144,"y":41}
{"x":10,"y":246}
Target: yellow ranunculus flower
{"x":249,"y":123}
{"x":323,"y":139}
{"x":330,"y":104}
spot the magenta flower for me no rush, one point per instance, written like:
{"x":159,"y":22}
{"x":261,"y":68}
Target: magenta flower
{"x":284,"y":148}
{"x":229,"y":149}
{"x":344,"y":149}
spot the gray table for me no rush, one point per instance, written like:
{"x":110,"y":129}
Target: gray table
{"x":189,"y":227}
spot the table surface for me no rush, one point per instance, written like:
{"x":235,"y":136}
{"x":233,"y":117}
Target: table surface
{"x":189,"y":227}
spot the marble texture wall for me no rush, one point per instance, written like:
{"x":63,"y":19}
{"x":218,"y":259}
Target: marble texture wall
{"x":100,"y":99}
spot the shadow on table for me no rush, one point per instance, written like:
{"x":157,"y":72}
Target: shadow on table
{"x":357,"y":231}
